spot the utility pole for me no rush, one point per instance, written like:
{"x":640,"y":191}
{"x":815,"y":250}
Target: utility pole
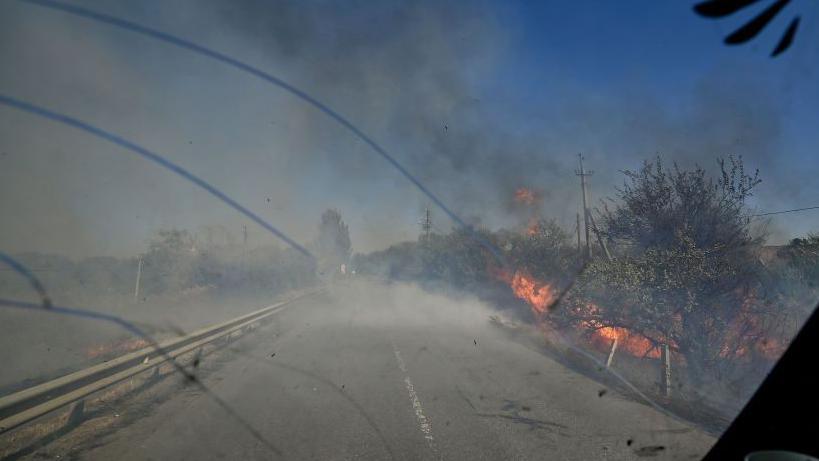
{"x":600,"y":238}
{"x":426,"y":224}
{"x":583,"y":173}
{"x":138,"y":278}
{"x":579,"y":242}
{"x":244,"y":248}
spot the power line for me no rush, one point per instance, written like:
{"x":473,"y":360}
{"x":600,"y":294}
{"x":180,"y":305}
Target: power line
{"x":784,"y":211}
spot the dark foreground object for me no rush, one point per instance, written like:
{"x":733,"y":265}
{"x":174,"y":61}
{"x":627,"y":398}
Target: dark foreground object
{"x":782,"y":414}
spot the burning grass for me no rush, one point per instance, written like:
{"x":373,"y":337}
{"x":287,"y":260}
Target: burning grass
{"x":541,"y":295}
{"x":744,"y":338}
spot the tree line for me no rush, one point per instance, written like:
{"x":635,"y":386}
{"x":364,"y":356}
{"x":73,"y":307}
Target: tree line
{"x":178,"y":261}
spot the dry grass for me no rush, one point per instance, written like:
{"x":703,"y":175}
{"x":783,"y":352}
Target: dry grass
{"x":103,"y":410}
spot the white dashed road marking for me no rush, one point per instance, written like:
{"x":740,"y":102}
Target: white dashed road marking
{"x":423,"y":422}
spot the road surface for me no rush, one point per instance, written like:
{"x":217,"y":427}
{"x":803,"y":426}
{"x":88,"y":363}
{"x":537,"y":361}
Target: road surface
{"x":369,"y":371}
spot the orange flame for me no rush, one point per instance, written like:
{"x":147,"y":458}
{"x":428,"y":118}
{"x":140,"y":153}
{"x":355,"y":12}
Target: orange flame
{"x":533,"y":227}
{"x":747,"y":335}
{"x":633,"y":343}
{"x":770,"y":348}
{"x":541,"y":295}
{"x":525,"y":196}
{"x":537,"y":294}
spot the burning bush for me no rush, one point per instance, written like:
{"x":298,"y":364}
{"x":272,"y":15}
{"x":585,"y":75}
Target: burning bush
{"x":686,"y":265}
{"x":686,"y":272}
{"x":539,"y":295}
{"x":543,"y":250}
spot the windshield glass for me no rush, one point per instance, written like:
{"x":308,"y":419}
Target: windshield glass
{"x":415,"y":230}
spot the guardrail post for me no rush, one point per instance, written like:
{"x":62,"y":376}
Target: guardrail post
{"x":197,"y":357}
{"x":611,"y":353}
{"x":665,"y":377}
{"x":77,"y":413}
{"x":138,"y":278}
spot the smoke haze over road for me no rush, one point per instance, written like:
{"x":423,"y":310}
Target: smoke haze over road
{"x":443,"y":87}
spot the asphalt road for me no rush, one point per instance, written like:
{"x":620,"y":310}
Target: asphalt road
{"x":369,"y":371}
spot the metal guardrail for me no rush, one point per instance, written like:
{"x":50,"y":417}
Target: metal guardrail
{"x":28,"y":404}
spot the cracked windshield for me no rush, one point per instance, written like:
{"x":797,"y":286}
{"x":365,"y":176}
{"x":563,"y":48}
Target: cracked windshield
{"x":401,"y":229}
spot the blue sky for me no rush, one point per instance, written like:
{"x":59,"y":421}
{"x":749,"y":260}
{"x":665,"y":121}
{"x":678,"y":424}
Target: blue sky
{"x":476,"y":99}
{"x":663,"y":53}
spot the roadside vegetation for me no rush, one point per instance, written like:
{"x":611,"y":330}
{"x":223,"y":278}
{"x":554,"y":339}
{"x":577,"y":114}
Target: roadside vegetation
{"x":688,"y":270}
{"x":175,"y":262}
{"x":188,"y":280}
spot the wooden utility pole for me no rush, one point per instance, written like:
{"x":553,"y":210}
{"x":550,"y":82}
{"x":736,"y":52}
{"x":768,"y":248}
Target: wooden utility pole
{"x":579,"y":243}
{"x":600,"y":238}
{"x":583,"y":173}
{"x":243,"y":262}
{"x":138,"y":279}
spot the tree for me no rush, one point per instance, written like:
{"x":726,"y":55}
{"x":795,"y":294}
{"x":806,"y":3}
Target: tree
{"x":459,"y":258}
{"x":685,"y":271}
{"x":544,"y":251}
{"x":802,"y":255}
{"x":657,"y":205}
{"x":169,"y":261}
{"x":792,"y":282}
{"x":456,"y":259}
{"x":333,"y":243}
